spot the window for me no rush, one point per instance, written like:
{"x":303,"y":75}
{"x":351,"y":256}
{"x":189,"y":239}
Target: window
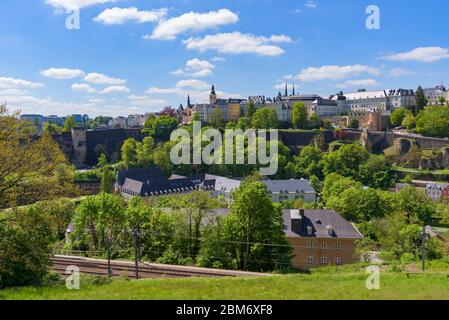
{"x":309,"y":259}
{"x":309,"y":230}
{"x":338,"y":260}
{"x":323,"y":245}
{"x":309,"y":244}
{"x":338,"y":245}
{"x":323,"y":260}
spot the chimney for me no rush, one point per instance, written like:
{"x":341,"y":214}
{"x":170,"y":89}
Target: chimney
{"x":297,"y":218}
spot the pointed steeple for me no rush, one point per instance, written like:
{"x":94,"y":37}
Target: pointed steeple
{"x":188,"y":101}
{"x":294,"y":93}
{"x":286,"y":89}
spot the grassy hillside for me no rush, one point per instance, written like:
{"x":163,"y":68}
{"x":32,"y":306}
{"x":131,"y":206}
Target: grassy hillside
{"x":319,"y":285}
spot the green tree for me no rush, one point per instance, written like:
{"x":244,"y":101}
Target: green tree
{"x":129,"y":153}
{"x":358,"y":205}
{"x":244,"y":123}
{"x":334,"y":185}
{"x":29,"y":167}
{"x":421,"y":100}
{"x":250,"y":110}
{"x":265,"y":118}
{"x":107,"y":180}
{"x":308,"y":162}
{"x":163,"y":127}
{"x":409,"y":122}
{"x":300,"y":115}
{"x":69,"y":124}
{"x":442,"y":100}
{"x":377,"y":173}
{"x":25,"y":248}
{"x":398,"y":115}
{"x":345,"y":161}
{"x":145,"y":153}
{"x":257,"y":227}
{"x":216,"y":118}
{"x":433,"y":121}
{"x":102,"y":217}
{"x":148,"y":129}
{"x":102,"y":160}
{"x":415,"y":204}
{"x":51,"y":128}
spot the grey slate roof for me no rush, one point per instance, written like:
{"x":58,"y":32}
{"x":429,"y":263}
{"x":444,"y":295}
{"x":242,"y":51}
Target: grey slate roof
{"x":151,"y":181}
{"x":291,"y":186}
{"x":319,"y":221}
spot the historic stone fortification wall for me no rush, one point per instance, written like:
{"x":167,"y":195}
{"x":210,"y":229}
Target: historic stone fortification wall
{"x":108,"y":142}
{"x":83,"y":147}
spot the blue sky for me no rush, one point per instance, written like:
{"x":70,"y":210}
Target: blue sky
{"x":137,"y":56}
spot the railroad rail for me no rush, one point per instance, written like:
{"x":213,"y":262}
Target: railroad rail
{"x":120,"y":268}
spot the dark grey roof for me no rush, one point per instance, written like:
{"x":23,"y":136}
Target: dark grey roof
{"x":291,"y":186}
{"x":151,"y":175}
{"x":320,"y":221}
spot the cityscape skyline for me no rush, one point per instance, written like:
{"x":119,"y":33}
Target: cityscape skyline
{"x":111,"y":65}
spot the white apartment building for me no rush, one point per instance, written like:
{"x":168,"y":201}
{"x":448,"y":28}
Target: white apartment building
{"x":382,"y":100}
{"x":435,"y":93}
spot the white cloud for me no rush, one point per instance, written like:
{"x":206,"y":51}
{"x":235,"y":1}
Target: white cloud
{"x":333,"y":72}
{"x":311,"y":4}
{"x":75,"y":4}
{"x":218,"y":59}
{"x":98,"y":78}
{"x":13,"y":92}
{"x":281,"y":86}
{"x":121,"y":15}
{"x":296,"y":11}
{"x":146,"y":101}
{"x":115,"y":89}
{"x":11,"y":83}
{"x":399,"y":72}
{"x":360,"y":83}
{"x":83,"y":87}
{"x":195,"y":68}
{"x":422,"y":54}
{"x":192,"y":21}
{"x":198,"y":90}
{"x":238,"y":43}
{"x":193,"y":84}
{"x":62,"y":73}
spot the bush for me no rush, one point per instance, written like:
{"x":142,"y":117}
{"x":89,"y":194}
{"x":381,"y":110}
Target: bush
{"x":407,"y":258}
{"x":25,"y":239}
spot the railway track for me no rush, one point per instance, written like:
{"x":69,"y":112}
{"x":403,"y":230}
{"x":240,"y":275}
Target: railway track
{"x":98,"y":267}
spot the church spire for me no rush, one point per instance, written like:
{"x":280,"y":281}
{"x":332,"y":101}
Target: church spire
{"x":286,"y":89}
{"x":188,"y":101}
{"x":294,"y":93}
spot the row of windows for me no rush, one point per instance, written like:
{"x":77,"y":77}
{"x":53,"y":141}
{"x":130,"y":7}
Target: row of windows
{"x":323,"y":245}
{"x":324,"y":260}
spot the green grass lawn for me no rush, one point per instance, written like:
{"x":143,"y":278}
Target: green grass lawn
{"x":319,"y":285}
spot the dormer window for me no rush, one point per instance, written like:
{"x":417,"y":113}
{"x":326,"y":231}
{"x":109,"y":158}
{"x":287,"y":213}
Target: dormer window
{"x":309,"y":230}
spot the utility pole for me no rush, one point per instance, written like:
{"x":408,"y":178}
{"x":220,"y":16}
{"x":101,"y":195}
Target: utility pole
{"x":423,"y":252}
{"x":108,"y":249}
{"x":137,"y":251}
